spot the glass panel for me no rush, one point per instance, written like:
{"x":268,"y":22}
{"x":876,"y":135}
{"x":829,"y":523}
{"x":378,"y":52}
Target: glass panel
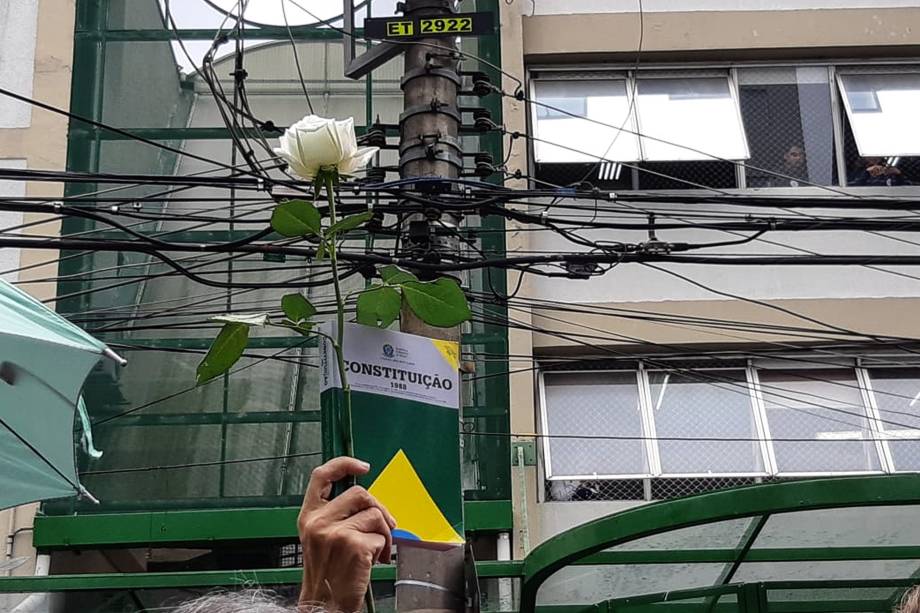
{"x":583,"y":141}
{"x":592,"y":404}
{"x":686,"y":175}
{"x":716,"y":535}
{"x":591,"y":584}
{"x":817,"y":421}
{"x":819,"y":571}
{"x":709,"y":405}
{"x":897,"y":396}
{"x":891,"y":171}
{"x":789,"y":125}
{"x":143,"y":87}
{"x":689,"y":119}
{"x":882,"y":109}
{"x":850,"y":527}
{"x":191,"y":14}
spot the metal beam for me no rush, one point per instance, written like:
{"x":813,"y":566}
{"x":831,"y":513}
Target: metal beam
{"x":262,"y":33}
{"x":261,"y":577}
{"x":161,"y":528}
{"x":377,"y":56}
{"x":212,"y":418}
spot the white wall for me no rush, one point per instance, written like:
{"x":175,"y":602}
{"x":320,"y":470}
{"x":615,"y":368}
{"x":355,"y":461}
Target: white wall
{"x":9,"y":258}
{"x":18,"y":28}
{"x":637,"y":283}
{"x":568,"y":7}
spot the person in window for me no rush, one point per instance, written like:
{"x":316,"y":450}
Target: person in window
{"x":790,"y":171}
{"x":877,"y":172}
{"x":793,"y":168}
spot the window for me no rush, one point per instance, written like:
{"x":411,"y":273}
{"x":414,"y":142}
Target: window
{"x":587,"y":404}
{"x":659,"y":433}
{"x":782,"y":126}
{"x":714,"y":406}
{"x":882,"y":109}
{"x":789,"y":123}
{"x":684,"y":119}
{"x":896,"y":392}
{"x":566,"y":139}
{"x":818,"y":421}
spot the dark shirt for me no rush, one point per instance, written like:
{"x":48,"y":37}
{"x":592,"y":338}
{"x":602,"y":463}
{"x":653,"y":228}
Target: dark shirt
{"x":865,"y":178}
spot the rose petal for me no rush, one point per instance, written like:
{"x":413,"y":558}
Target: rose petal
{"x":358,"y":161}
{"x":295,"y":165}
{"x":346,"y":130}
{"x":318,"y":146}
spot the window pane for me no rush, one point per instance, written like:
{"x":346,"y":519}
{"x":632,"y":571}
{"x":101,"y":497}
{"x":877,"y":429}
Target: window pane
{"x":710,"y":404}
{"x":581,"y":140}
{"x":897,"y":396}
{"x":594,"y":404}
{"x":789,"y":126}
{"x":882,"y":109}
{"x":817,"y":421}
{"x":686,"y":175}
{"x":894,"y":170}
{"x":694,"y":119}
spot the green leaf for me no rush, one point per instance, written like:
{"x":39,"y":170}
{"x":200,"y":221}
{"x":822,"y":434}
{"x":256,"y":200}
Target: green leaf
{"x":394,"y":275}
{"x":224,"y":352}
{"x":378,"y":306}
{"x":440,"y":303}
{"x":297,"y":308}
{"x":296,"y":218}
{"x":321,"y":251}
{"x":349,"y":223}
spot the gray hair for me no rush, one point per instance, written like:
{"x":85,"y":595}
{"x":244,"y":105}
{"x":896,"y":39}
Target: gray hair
{"x":910,"y":603}
{"x":247,"y":601}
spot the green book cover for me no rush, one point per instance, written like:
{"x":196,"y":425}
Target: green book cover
{"x":405,"y":404}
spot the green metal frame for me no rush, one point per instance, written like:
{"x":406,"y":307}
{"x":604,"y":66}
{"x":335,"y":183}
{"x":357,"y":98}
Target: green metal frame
{"x":216,"y":578}
{"x":583,"y":545}
{"x":581,"y":542}
{"x":172,"y":527}
{"x":488,"y":509}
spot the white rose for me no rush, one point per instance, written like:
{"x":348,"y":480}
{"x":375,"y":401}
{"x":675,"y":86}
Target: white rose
{"x":316,"y":142}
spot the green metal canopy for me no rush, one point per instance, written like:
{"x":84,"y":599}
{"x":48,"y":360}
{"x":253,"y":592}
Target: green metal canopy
{"x":840,"y":544}
{"x":44,"y":361}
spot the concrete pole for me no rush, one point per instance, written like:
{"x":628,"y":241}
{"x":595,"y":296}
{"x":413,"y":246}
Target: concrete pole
{"x":430,"y":142}
{"x":428,"y":579}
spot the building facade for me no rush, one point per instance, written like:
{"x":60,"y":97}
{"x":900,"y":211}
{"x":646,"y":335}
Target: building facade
{"x":776,"y":372}
{"x":36,"y":45}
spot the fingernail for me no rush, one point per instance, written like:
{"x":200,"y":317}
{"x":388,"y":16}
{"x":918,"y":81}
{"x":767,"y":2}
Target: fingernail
{"x":365,"y":465}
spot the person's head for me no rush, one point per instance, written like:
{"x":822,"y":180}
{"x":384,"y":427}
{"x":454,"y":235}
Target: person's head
{"x":794,"y":157}
{"x":873,"y":161}
{"x":910,"y":603}
{"x":247,"y":601}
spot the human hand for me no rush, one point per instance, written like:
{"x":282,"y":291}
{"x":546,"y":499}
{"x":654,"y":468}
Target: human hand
{"x":341,"y":538}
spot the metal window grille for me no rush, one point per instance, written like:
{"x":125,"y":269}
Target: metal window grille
{"x":748,"y":426}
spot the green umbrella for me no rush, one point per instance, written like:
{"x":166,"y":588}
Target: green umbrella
{"x":44,"y":361}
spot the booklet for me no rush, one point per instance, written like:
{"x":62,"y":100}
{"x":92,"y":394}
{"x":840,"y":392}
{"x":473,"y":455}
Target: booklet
{"x":405,"y":405}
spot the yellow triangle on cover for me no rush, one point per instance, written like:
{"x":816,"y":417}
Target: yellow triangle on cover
{"x":399,"y":488}
{"x":450,"y":351}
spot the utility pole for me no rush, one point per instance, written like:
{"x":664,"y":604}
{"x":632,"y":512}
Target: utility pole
{"x":429,"y":146}
{"x":429,"y":143}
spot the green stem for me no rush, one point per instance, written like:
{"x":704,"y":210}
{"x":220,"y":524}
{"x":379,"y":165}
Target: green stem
{"x":347,"y":433}
{"x":340,"y":321}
